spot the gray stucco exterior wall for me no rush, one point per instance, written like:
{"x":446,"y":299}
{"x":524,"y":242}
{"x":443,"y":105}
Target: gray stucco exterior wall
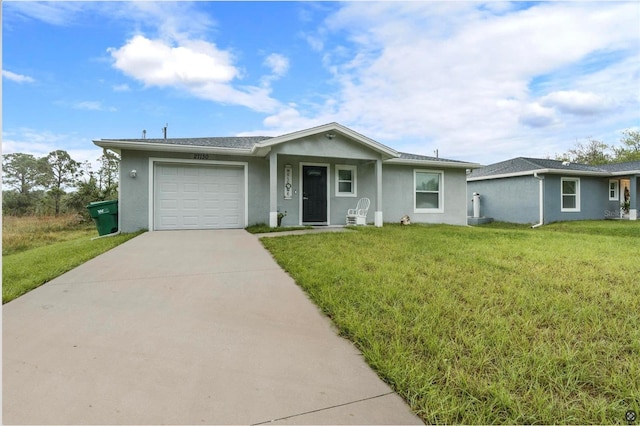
{"x":398,"y":194}
{"x":593,"y":199}
{"x":136,"y":194}
{"x":514,"y":199}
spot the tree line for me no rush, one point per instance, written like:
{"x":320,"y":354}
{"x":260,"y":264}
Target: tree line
{"x":56,"y":183}
{"x":596,"y":152}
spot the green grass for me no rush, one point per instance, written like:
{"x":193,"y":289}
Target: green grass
{"x":486,"y":325}
{"x":27,"y":232}
{"x":22,"y":272}
{"x":262,"y":228}
{"x":36,"y":250}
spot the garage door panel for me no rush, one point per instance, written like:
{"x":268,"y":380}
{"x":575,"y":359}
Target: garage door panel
{"x":211,"y":188}
{"x":168,"y":204}
{"x":191,"y":187}
{"x":169,"y":221}
{"x":168,"y":187}
{"x":231,"y":220}
{"x":198,"y":197}
{"x":191,"y":204}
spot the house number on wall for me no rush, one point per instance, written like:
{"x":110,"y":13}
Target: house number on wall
{"x":200,"y":156}
{"x":287,"y":182}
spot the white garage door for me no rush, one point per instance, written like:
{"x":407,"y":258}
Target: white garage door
{"x":198,"y":197}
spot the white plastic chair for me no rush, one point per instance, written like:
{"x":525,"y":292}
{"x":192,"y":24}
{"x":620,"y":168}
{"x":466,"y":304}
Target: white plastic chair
{"x":358,"y":216}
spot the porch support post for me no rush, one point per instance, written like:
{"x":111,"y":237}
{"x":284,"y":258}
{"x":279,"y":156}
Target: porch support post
{"x":273,"y":190}
{"x":633,"y":202}
{"x":378,"y":214}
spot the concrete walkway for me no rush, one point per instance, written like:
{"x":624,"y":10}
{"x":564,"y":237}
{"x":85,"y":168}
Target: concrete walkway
{"x":183,"y":327}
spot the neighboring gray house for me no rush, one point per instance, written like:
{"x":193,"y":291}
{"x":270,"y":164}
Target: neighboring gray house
{"x":314,"y":175}
{"x":540,"y":191}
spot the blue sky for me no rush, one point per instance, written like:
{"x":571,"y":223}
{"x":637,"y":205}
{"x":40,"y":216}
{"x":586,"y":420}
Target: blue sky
{"x":480,"y":82}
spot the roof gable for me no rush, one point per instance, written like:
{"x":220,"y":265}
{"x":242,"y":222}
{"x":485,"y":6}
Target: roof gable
{"x":330,"y":131}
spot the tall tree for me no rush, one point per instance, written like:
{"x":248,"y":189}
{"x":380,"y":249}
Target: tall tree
{"x":62,"y":171}
{"x":108,"y":175}
{"x":21,"y":171}
{"x":593,"y":152}
{"x":630,"y":149}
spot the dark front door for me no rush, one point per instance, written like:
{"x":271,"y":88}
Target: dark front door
{"x":314,"y":194}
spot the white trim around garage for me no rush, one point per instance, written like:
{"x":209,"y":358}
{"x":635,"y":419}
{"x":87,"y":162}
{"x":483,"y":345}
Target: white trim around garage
{"x":177,"y":161}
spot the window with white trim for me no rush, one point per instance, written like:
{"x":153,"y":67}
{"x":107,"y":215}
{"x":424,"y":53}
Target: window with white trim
{"x":570,"y":193}
{"x":346,"y":181}
{"x":428,"y":186}
{"x":614,"y":190}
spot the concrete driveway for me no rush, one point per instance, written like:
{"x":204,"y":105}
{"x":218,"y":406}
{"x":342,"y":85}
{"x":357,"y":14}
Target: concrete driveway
{"x":183,"y":327}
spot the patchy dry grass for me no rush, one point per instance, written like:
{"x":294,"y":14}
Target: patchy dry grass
{"x":486,"y":325}
{"x":36,"y":250}
{"x":27,"y":232}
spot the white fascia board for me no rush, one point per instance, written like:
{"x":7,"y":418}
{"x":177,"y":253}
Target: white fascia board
{"x":161,"y":147}
{"x":626,"y":172}
{"x":430,"y":163}
{"x":568,"y":173}
{"x":508,"y":175}
{"x":331,"y":127}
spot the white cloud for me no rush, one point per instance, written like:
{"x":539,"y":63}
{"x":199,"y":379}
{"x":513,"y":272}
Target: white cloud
{"x":92,"y":106}
{"x":196,"y":66}
{"x":121,"y":88}
{"x":316,"y":43}
{"x":51,"y":12}
{"x":156,"y":63}
{"x":39,"y":143}
{"x":279,"y":64}
{"x":576,"y":102}
{"x":18,"y":78}
{"x":459,"y":76}
{"x":536,"y":115}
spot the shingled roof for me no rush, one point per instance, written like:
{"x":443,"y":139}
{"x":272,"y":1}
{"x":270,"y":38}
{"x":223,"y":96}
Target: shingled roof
{"x":237,"y":142}
{"x":623,"y":167}
{"x":261,"y":145}
{"x":521,"y":166}
{"x":407,"y":156}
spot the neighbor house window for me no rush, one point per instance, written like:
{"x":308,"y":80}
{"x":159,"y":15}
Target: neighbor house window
{"x":428,"y":191}
{"x":570,"y":194}
{"x":346,"y":181}
{"x":614,"y":193}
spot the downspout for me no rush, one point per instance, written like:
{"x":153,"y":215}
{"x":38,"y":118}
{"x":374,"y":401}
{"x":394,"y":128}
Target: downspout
{"x":541,"y":201}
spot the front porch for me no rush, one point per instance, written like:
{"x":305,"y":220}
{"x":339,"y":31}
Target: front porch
{"x":318,"y":191}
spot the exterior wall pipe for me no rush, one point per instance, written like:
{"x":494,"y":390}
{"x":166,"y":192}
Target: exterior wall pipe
{"x":541,"y":201}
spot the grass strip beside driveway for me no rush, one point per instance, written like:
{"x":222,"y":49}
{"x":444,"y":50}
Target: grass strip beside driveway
{"x":485,"y":325}
{"x":24,"y":271}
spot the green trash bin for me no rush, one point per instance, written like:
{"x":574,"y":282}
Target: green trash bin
{"x":105,"y":215}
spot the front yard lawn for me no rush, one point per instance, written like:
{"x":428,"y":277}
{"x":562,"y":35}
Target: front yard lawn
{"x":28,"y":269}
{"x":486,"y":325}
